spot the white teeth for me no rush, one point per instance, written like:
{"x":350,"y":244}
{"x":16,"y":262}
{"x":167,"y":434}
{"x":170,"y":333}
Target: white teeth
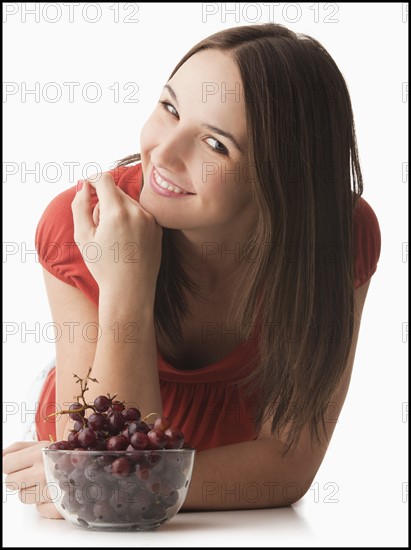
{"x":166,"y":185}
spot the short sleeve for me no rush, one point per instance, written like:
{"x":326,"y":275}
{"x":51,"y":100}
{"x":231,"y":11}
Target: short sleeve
{"x":56,"y":249}
{"x":367,"y":242}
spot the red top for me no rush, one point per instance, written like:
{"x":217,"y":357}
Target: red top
{"x":203,"y":403}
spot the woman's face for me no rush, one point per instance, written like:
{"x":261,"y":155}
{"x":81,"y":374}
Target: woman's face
{"x":196,"y":140}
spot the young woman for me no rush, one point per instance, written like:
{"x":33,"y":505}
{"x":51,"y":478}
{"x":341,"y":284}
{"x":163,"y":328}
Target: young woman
{"x":218,"y":278}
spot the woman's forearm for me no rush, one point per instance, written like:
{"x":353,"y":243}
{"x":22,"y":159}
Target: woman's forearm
{"x":245,"y":476}
{"x":125,"y":362}
{"x":126,"y":359}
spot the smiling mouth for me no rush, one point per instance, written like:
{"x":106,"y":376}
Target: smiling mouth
{"x":167,"y":185}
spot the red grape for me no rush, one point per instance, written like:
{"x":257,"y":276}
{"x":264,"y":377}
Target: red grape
{"x":103,"y":511}
{"x":79,"y":459}
{"x":162,"y":424}
{"x":115,"y":422}
{"x":120,"y":468}
{"x":92,"y":471}
{"x":79,"y":424}
{"x":124,"y":432}
{"x":143,"y":427}
{"x":96,"y":421}
{"x":102,"y":403}
{"x":73,"y":438}
{"x":139,"y":441}
{"x":61,"y":446}
{"x":131,"y":414}
{"x":157,"y":438}
{"x":64,"y":464}
{"x":100,"y":445}
{"x":153,"y":458}
{"x":117,"y":406}
{"x":76,"y":415}
{"x":175,"y":438}
{"x":117,"y":443}
{"x":86,"y":437}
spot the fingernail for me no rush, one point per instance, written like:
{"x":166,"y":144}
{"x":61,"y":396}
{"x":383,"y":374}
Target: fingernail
{"x":79,"y":185}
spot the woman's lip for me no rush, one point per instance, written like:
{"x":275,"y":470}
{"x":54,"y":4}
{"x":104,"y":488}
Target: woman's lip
{"x":165,"y":192}
{"x":170,"y":182}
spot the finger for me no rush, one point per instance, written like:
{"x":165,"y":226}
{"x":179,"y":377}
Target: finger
{"x":21,"y":458}
{"x":32,"y":495}
{"x":28,"y":477}
{"x":18,"y":445}
{"x":104,"y":185}
{"x":38,"y":493}
{"x":48,"y":510}
{"x":82,"y":210}
{"x":96,"y":214}
{"x":106,"y":188}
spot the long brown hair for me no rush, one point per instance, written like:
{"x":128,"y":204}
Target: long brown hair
{"x":306,"y":176}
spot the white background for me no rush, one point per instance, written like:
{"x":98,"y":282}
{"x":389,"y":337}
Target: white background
{"x":367,"y":458}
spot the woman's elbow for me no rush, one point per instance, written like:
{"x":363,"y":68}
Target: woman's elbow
{"x":288,"y":493}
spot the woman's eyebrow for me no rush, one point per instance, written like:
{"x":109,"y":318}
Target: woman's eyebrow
{"x":172,"y":92}
{"x":208,"y":126}
{"x":222,"y":133}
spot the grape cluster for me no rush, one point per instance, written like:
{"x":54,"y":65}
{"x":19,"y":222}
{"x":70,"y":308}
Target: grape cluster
{"x":130,"y":479}
{"x":113,"y":427}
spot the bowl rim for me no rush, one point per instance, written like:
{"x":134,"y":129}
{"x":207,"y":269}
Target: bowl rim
{"x":106,"y":452}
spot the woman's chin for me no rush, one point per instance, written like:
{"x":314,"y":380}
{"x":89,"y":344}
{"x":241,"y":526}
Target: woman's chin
{"x":146,"y":202}
{"x":161,"y":217}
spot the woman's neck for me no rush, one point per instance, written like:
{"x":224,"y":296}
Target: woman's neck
{"x":212,"y":264}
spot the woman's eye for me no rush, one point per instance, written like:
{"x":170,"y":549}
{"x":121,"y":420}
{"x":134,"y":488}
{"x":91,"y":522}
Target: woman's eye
{"x":218,"y":147}
{"x":168,"y":107}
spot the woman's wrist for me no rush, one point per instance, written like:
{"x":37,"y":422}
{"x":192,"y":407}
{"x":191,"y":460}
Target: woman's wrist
{"x":126,"y":319}
{"x":115,"y":302}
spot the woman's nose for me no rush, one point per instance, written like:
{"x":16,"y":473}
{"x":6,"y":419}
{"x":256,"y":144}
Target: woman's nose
{"x":172,"y":152}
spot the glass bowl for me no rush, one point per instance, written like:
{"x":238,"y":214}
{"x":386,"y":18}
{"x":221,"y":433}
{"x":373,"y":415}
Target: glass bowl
{"x":118,"y":490}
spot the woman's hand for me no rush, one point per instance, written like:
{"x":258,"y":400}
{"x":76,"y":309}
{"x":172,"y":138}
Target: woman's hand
{"x":120,"y":241}
{"x":23,"y":464}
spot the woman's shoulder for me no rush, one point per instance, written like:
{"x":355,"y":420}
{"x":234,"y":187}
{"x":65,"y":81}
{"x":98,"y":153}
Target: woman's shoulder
{"x":129,"y":179}
{"x":367,"y":241}
{"x":56,"y":248}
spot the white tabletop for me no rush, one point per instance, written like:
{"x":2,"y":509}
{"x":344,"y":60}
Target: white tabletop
{"x":310,"y":522}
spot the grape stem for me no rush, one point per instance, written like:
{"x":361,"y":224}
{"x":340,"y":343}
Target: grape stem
{"x":150,"y":414}
{"x":69,"y":411}
{"x":84,"y":388}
